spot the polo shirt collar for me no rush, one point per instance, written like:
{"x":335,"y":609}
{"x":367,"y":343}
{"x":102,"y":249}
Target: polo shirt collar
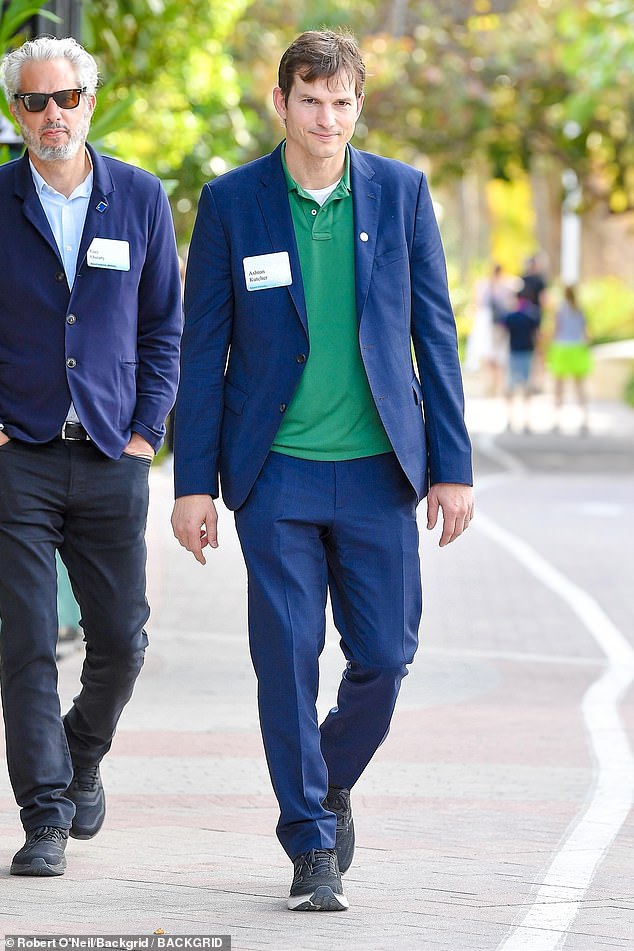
{"x":341,"y":190}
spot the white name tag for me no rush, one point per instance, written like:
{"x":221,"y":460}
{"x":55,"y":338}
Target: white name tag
{"x":106,"y":252}
{"x":267,"y":270}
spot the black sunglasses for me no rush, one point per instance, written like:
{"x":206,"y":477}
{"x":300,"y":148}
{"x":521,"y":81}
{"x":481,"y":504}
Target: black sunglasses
{"x":38,"y":101}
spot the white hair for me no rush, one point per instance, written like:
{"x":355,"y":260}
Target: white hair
{"x":48,"y":48}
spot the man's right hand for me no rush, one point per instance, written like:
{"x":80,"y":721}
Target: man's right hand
{"x":194,"y":523}
{"x":4,"y":438}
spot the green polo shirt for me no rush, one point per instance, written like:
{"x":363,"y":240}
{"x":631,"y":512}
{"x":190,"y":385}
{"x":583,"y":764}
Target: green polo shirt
{"x":332,"y":415}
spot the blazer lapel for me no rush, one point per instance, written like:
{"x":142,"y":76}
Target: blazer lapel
{"x":276,"y":211}
{"x":31,"y":204}
{"x":98,"y":205}
{"x":366,"y":200}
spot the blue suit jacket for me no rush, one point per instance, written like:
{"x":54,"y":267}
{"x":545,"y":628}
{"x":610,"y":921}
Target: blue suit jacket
{"x":243,"y":351}
{"x":121,"y":328}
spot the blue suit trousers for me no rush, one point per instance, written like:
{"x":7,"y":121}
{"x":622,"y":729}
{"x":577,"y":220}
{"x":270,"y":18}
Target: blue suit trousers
{"x":309,"y":529}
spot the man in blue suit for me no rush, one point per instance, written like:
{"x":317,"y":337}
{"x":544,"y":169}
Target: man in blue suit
{"x":311,"y":273}
{"x":90,"y":321}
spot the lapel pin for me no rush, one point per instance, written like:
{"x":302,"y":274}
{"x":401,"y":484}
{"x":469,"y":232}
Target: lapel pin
{"x":101,"y":207}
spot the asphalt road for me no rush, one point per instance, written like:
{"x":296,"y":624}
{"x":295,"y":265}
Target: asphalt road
{"x":496,"y":816}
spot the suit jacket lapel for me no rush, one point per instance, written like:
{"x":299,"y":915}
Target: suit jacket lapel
{"x":366,"y":199}
{"x":31,"y":204}
{"x":276,"y":211}
{"x":98,"y":205}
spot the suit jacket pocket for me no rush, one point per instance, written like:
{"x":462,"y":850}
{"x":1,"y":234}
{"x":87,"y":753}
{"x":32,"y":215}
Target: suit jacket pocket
{"x":235,"y":398}
{"x":389,"y":257}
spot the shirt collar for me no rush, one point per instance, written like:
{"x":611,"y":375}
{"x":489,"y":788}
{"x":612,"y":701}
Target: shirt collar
{"x":341,"y":190}
{"x":83,"y":190}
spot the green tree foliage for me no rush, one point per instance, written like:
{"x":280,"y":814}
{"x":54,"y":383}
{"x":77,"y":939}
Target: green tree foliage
{"x":465,"y":80}
{"x":168,"y":73}
{"x":504,"y":83}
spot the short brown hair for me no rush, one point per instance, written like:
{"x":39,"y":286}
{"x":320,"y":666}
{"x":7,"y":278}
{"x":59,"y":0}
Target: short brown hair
{"x":321,"y":54}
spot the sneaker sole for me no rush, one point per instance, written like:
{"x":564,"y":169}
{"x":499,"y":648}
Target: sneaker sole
{"x":77,"y":832}
{"x":82,"y":833}
{"x":39,"y":868}
{"x":322,"y":899}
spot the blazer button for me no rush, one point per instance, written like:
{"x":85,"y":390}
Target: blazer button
{"x":71,"y":319}
{"x":71,"y":363}
{"x":301,"y":358}
{"x":60,"y":276}
{"x":282,"y":407}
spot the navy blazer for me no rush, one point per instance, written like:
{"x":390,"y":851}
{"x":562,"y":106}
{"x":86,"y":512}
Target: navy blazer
{"x":111,"y":342}
{"x":244,"y":350}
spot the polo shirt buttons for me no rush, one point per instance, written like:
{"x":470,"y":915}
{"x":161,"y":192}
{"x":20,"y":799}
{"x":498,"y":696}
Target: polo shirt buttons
{"x":71,"y":319}
{"x":301,"y":358}
{"x":71,"y":363}
{"x":313,"y":211}
{"x":282,"y":407}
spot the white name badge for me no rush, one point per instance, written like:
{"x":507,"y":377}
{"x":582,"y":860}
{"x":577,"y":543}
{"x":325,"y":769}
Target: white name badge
{"x":108,"y":253}
{"x":267,"y":270}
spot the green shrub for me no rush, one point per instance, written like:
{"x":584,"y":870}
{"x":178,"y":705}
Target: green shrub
{"x":609,"y":307}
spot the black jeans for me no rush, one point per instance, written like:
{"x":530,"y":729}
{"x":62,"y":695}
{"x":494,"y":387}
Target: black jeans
{"x":70,"y":497}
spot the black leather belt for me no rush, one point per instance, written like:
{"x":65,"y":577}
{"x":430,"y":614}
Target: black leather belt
{"x":74,"y":432}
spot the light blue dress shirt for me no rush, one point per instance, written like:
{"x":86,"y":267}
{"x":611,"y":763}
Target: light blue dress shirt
{"x":66,"y":216}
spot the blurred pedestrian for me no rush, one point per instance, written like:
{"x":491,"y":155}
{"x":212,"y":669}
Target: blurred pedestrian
{"x":535,"y":284}
{"x":522,"y":324}
{"x":569,"y":356}
{"x":311,"y":271}
{"x":90,"y":320}
{"x":487,"y":344}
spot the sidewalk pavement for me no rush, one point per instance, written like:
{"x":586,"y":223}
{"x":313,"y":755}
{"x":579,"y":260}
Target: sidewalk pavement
{"x":485,"y":766}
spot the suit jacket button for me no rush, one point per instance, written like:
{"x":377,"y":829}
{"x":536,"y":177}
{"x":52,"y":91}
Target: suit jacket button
{"x":60,"y":276}
{"x":282,"y":407}
{"x":71,"y":362}
{"x":301,"y":358}
{"x":71,"y":319}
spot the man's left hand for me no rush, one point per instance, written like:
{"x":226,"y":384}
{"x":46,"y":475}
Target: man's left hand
{"x":138,"y":446}
{"x":456,"y":502}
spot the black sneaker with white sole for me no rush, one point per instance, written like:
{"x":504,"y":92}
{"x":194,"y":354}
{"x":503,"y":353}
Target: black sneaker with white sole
{"x":317,"y":883}
{"x":338,"y":801}
{"x":86,"y":791}
{"x":42,"y":853}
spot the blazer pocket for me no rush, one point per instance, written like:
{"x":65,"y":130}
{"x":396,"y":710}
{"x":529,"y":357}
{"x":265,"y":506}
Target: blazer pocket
{"x":234,"y":398}
{"x":389,"y":257}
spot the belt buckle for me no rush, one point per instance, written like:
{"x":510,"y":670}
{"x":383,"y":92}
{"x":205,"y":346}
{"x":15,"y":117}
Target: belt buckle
{"x":66,"y":435}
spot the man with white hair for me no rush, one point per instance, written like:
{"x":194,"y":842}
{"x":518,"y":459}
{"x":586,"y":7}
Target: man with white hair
{"x":90,"y":320}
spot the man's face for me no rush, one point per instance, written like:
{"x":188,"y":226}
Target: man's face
{"x":320,"y":116}
{"x":56,"y":134}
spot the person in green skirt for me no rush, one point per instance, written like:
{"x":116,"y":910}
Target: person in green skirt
{"x":569,"y":356}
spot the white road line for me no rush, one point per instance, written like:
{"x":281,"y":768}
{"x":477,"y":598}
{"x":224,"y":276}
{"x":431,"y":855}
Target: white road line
{"x":558,"y":899}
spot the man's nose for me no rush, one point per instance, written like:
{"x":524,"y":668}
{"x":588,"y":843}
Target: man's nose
{"x":326,"y":115}
{"x":52,"y":111}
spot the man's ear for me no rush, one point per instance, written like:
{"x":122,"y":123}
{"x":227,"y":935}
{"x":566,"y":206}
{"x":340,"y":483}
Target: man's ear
{"x":280,"y":103}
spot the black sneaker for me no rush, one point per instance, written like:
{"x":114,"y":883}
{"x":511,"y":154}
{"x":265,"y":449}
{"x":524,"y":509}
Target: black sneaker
{"x":317,"y":883}
{"x":42,"y":853}
{"x":338,"y":801}
{"x":86,"y":791}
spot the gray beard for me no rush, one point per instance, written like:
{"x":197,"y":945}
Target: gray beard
{"x":56,"y":153}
